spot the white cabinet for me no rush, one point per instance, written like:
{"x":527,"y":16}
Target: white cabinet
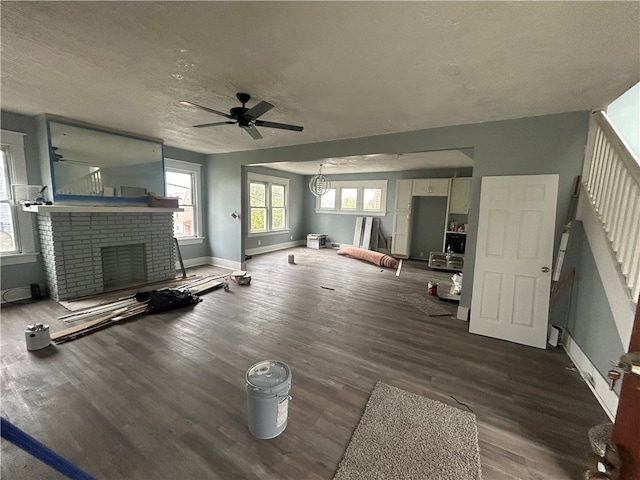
{"x":403,"y":195}
{"x":401,"y":240}
{"x":401,"y":236}
{"x":459,"y":198}
{"x":431,"y":187}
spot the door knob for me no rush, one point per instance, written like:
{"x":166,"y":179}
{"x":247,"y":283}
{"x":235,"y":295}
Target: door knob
{"x":544,"y":269}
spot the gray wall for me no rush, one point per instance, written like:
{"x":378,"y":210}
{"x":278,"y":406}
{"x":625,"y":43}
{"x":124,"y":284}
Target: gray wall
{"x":527,"y":146}
{"x":297,"y":220}
{"x":427,"y":233}
{"x":583,"y":309}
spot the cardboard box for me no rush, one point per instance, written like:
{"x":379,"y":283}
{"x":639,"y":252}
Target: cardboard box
{"x":315,"y":240}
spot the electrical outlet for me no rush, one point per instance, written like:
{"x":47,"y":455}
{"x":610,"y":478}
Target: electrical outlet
{"x":422,"y":254}
{"x":258,"y":242}
{"x":291,"y":237}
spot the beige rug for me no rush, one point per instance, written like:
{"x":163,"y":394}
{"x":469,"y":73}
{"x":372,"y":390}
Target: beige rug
{"x":402,"y":435}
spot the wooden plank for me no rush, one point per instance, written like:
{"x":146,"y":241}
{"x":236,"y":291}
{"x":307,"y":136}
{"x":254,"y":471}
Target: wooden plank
{"x":366,"y":239}
{"x":375,"y":234}
{"x":78,"y":328}
{"x":357,"y":235}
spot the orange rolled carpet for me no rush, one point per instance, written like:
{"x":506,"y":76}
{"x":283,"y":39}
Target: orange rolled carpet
{"x":376,"y":258}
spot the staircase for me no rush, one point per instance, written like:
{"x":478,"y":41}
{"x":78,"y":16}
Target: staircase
{"x":90,"y":184}
{"x":601,"y":312}
{"x":611,"y":182}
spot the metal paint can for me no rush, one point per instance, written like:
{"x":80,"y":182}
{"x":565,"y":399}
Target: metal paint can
{"x":268,"y":384}
{"x":37,"y":336}
{"x":432,"y":288}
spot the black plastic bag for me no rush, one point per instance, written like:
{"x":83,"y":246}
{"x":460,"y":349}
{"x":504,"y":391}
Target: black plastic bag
{"x":167,"y":299}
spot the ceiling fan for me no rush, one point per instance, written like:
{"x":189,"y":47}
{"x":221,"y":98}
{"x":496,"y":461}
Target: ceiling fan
{"x":246,"y":118}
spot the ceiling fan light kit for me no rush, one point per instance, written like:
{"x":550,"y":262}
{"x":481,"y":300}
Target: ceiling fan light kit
{"x":245,"y":118}
{"x":319,"y":184}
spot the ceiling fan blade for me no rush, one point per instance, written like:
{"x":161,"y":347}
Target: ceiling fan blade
{"x":258,"y":110}
{"x":283,"y":126}
{"x":253,"y":131}
{"x":213,"y":124}
{"x":206,"y":109}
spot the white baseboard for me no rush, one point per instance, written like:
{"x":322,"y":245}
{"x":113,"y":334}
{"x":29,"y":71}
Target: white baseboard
{"x":607,"y":398}
{"x":15,"y":294}
{"x":224,"y":263}
{"x":463,"y":314}
{"x":193,"y":262}
{"x":274,"y":248}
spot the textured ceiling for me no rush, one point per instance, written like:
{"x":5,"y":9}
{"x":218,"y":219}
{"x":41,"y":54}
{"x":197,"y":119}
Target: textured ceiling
{"x":340,"y":69}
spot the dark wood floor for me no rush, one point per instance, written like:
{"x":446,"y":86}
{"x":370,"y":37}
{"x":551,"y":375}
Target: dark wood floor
{"x":162,"y":396}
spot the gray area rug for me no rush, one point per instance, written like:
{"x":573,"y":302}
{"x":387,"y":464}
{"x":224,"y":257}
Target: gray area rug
{"x":433,"y":308}
{"x":402,"y":435}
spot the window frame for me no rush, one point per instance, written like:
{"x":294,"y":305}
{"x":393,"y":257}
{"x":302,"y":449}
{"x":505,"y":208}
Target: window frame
{"x":268,"y":180}
{"x":360,"y":186}
{"x":195,"y":170}
{"x":24,"y":222}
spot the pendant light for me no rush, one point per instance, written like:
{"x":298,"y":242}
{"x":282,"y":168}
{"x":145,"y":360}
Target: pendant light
{"x":319,"y":184}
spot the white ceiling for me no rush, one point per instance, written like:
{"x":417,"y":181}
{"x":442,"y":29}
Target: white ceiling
{"x":340,"y":69}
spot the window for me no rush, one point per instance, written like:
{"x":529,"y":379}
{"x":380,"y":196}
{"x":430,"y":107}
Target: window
{"x":8,"y":240}
{"x":17,"y":240}
{"x":355,"y":197}
{"x":268,"y":204}
{"x":182,"y":180}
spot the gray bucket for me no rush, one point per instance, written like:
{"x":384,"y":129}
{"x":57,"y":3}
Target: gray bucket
{"x":268,"y":385}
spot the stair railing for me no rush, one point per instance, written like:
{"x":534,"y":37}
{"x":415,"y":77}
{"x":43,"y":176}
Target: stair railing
{"x":611,"y":178}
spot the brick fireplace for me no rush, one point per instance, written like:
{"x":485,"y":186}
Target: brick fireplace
{"x":89,"y":251}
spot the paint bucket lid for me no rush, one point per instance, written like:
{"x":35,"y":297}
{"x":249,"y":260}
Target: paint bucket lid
{"x":268,"y":374}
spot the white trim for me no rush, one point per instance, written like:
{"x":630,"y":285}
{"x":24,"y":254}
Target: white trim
{"x":23,"y":296}
{"x":269,"y":181}
{"x":617,"y":293}
{"x":24,"y":227}
{"x":266,"y":234}
{"x":18,"y":258}
{"x":224,"y":263}
{"x":196,"y":170}
{"x":274,"y":248}
{"x":598,"y":385}
{"x":258,"y":177}
{"x":359,"y":213}
{"x":463,"y":313}
{"x":190,"y":240}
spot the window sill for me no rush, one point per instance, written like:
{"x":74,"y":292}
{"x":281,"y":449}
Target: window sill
{"x":263,"y":234}
{"x":18,"y":258}
{"x":360,"y":213}
{"x":190,"y":240}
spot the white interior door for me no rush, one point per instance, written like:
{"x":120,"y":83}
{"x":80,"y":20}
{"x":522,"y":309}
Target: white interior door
{"x":514,"y":254}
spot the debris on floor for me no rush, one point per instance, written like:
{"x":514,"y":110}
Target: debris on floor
{"x":108,"y":314}
{"x":241,"y":277}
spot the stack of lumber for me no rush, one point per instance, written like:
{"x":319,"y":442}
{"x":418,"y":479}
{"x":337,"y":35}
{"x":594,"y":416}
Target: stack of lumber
{"x":107,"y":314}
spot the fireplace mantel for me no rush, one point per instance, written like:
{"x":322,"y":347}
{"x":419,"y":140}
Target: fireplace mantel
{"x":96,"y":209}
